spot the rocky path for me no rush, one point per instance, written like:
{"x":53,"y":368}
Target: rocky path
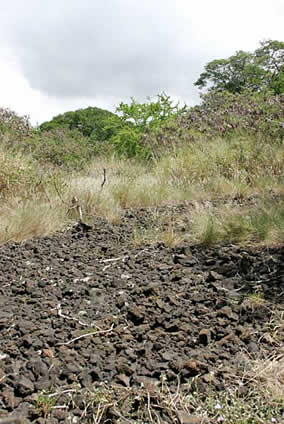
{"x":85,"y":307}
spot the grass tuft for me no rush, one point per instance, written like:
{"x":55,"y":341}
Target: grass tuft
{"x":31,"y":220}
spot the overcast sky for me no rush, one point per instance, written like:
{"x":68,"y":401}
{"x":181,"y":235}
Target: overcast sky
{"x":60,"y":55}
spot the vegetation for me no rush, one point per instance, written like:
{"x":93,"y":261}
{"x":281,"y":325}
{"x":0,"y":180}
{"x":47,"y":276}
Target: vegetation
{"x":59,"y":147}
{"x":223,"y":159}
{"x":90,"y":122}
{"x":140,"y":120}
{"x":226,"y":114}
{"x":257,"y":71}
{"x":261,"y":402}
{"x":13,"y":128}
{"x":230,"y":147}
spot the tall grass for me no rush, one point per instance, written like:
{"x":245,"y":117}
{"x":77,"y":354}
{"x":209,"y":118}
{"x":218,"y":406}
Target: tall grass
{"x":237,"y":168}
{"x":260,"y":223}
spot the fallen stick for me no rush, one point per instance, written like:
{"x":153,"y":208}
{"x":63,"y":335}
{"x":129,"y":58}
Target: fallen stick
{"x":85,"y":335}
{"x":121,"y":258}
{"x":60,"y":314}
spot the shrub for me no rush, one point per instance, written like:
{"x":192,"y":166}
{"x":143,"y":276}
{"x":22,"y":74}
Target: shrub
{"x":142,"y":123}
{"x":224,"y":113}
{"x":91,"y":122}
{"x":60,"y":147}
{"x":13,"y":125}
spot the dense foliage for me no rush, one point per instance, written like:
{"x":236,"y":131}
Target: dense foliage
{"x":245,"y":94}
{"x":139,"y":120}
{"x":13,"y":124}
{"x":224,"y":113}
{"x":259,"y":70}
{"x":90,"y":122}
{"x":60,"y":147}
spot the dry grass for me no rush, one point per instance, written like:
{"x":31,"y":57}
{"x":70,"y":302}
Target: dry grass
{"x":256,"y":397}
{"x":268,"y":376}
{"x":261,"y":223}
{"x":237,"y":167}
{"x":223,"y":169}
{"x":36,"y":202}
{"x":169,"y":237}
{"x":31,"y":220}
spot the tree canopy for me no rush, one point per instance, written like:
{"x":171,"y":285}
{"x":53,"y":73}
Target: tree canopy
{"x":90,"y":122}
{"x":261,"y":69}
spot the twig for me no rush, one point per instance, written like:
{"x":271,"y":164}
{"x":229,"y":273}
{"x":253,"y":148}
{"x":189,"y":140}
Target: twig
{"x":6,"y":375}
{"x":149,"y":406}
{"x":99,"y":414}
{"x":106,"y":267}
{"x":60,"y":407}
{"x":104,"y":180}
{"x":86,"y":335}
{"x":60,"y":314}
{"x":175,"y":397}
{"x":61,"y":393}
{"x":118,"y":414}
{"x":76,"y":205}
{"x":121,"y":258}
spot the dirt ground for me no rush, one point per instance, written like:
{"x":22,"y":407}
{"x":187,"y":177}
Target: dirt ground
{"x":87,"y":307}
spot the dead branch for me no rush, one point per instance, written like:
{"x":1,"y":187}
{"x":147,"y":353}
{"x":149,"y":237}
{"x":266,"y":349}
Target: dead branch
{"x":60,"y":314}
{"x":77,"y":206}
{"x":86,"y":335}
{"x":121,"y":258}
{"x":104,"y":180}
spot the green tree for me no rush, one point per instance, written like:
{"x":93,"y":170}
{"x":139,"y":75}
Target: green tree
{"x":262,"y":69}
{"x":139,"y":118}
{"x":270,"y":56}
{"x":90,"y":122}
{"x":151,"y":114}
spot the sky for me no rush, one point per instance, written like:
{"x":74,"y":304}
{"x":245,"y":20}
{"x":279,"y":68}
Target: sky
{"x":62,"y":55}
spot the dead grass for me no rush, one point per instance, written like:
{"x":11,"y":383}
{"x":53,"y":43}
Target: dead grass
{"x":257,"y":397}
{"x":220,"y":169}
{"x":169,"y":237}
{"x":31,"y":220}
{"x":260,"y":223}
{"x":268,"y":376}
{"x":237,"y":167}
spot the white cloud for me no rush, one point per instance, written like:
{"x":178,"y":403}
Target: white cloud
{"x":64,"y":54}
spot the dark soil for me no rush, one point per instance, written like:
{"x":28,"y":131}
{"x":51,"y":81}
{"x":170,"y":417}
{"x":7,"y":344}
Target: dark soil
{"x":86,"y":307}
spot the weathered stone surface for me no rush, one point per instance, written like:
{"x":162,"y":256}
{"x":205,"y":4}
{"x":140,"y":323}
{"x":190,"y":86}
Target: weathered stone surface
{"x":94,"y":310}
{"x":24,"y":386}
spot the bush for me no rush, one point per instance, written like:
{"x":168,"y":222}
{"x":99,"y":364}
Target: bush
{"x":14,"y":126}
{"x":224,"y":113}
{"x":142,"y":125}
{"x":60,"y":147}
{"x":91,"y":122}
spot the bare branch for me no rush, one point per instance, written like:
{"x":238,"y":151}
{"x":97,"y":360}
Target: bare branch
{"x":104,"y":180}
{"x":86,"y":335}
{"x":60,"y":314}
